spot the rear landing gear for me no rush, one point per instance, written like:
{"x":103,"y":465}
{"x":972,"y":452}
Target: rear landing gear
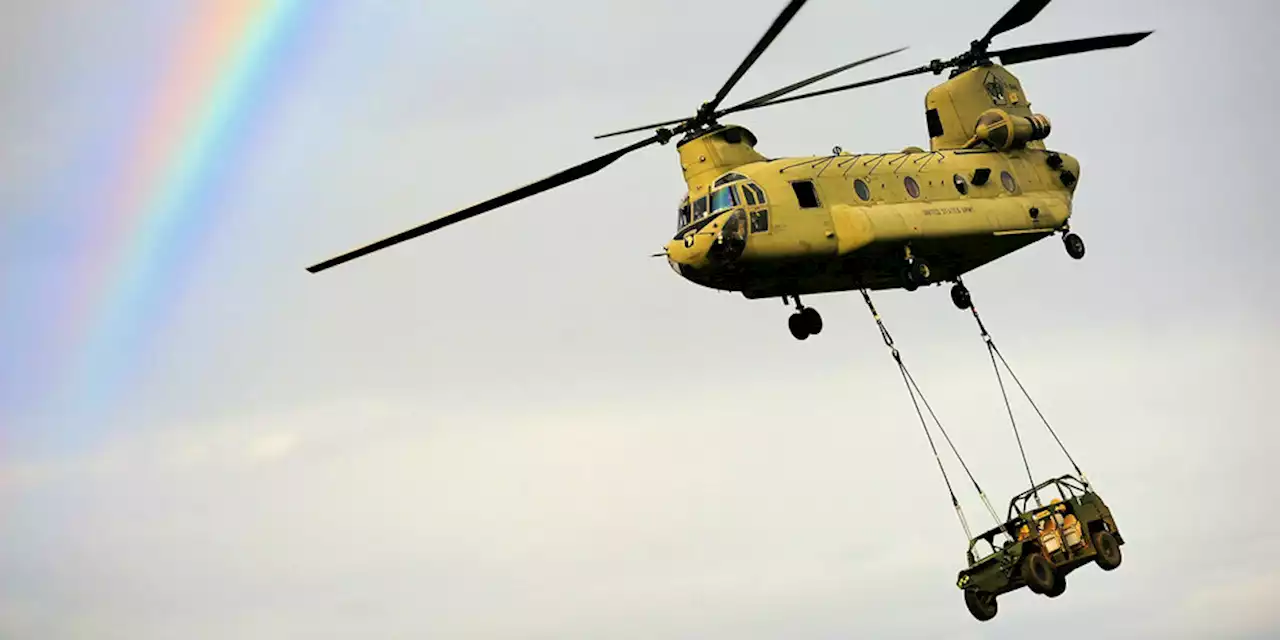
{"x":1074,"y":245}
{"x":960,"y":296}
{"x":805,"y":321}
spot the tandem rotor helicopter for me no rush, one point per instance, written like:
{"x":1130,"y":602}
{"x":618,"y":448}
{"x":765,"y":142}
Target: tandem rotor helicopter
{"x":782,"y":227}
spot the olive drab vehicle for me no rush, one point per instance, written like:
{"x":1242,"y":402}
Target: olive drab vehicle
{"x":1041,"y":545}
{"x":783,"y":227}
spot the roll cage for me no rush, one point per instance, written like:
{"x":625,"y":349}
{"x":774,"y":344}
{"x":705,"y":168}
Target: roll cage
{"x":1069,"y":488}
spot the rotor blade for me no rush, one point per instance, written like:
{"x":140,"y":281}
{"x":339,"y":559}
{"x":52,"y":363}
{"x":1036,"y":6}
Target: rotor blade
{"x":843,"y":87}
{"x":644,"y":128}
{"x":568,"y":175}
{"x":1067,"y":47}
{"x":1023,"y":12}
{"x":804,"y":83}
{"x":779,"y":23}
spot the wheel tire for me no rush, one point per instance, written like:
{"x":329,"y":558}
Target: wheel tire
{"x":1037,"y":573}
{"x":799,"y":328}
{"x":1074,"y":245}
{"x":981,"y":605}
{"x":908,"y":279}
{"x":1108,"y":549}
{"x":920,"y":272}
{"x":812,"y":320}
{"x":1059,"y":586}
{"x":960,"y":297}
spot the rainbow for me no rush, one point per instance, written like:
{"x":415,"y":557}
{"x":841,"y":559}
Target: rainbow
{"x":175,"y":170}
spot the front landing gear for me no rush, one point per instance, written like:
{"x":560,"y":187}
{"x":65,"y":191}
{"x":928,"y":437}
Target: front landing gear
{"x":804,"y":322}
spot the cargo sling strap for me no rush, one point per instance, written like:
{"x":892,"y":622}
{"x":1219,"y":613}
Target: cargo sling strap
{"x":914,"y":390}
{"x":995,"y":353}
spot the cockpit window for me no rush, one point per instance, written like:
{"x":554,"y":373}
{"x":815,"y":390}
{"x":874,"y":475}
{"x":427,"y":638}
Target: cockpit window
{"x":750,"y":188}
{"x":727,"y":178}
{"x":700,"y":208}
{"x":724,"y":198}
{"x":684,"y":213}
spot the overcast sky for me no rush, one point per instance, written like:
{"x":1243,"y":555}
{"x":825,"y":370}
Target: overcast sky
{"x":525,"y":427}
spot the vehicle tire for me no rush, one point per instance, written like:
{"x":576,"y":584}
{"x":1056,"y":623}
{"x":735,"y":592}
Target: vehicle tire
{"x":1074,"y":245}
{"x":1108,"y":549}
{"x":981,"y":605}
{"x":960,"y":297}
{"x":1059,"y":586}
{"x":812,"y":320}
{"x":1037,"y":573}
{"x":799,"y":328}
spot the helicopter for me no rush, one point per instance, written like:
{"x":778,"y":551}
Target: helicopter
{"x":783,"y":227}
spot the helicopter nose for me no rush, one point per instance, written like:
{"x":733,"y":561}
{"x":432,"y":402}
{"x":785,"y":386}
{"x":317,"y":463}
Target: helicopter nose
{"x":721,"y":241}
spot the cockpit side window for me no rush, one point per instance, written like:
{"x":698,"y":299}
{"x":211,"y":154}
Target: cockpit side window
{"x":684,"y":213}
{"x":752,"y":188}
{"x":724,"y":198}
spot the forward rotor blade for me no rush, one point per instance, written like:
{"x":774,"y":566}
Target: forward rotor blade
{"x":644,"y":128}
{"x":564,"y":177}
{"x":1067,"y":47}
{"x":1023,"y":12}
{"x":804,"y":83}
{"x":843,"y":87}
{"x":779,"y":23}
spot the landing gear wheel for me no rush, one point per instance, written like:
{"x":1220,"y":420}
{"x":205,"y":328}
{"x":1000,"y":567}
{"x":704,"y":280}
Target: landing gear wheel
{"x":798,"y":326}
{"x":1074,"y":245}
{"x":1038,"y":574}
{"x":915,"y":275}
{"x":1108,"y":557}
{"x":981,"y":605}
{"x":812,"y":321}
{"x":960,"y":297}
{"x":1059,"y":586}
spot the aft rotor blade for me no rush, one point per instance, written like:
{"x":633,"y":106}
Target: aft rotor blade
{"x":568,"y":175}
{"x":1023,"y":12}
{"x":647,"y":127}
{"x":804,"y":83}
{"x":843,"y":87}
{"x":1067,"y":47}
{"x":779,"y":23}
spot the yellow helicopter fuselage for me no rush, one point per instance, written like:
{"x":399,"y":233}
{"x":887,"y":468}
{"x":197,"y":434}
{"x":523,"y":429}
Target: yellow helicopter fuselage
{"x":770,"y":227}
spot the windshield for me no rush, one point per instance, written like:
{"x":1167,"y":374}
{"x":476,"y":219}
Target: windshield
{"x":724,"y":198}
{"x":700,"y":208}
{"x":684,"y":213}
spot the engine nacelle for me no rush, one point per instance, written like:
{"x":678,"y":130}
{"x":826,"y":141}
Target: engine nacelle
{"x":1005,"y":131}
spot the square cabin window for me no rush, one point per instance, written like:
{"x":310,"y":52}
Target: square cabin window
{"x":806,"y":195}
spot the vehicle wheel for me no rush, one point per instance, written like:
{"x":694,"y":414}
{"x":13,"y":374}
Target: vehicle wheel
{"x":960,"y":296}
{"x":1108,"y":550}
{"x":812,"y":320}
{"x":981,"y":605}
{"x":799,"y":328}
{"x":1075,"y":246}
{"x":1037,"y":573}
{"x":1059,"y":586}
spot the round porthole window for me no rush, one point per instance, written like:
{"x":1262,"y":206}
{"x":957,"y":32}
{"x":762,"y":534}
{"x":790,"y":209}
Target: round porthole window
{"x":913,"y":187}
{"x":961,"y":185}
{"x":862,"y":189}
{"x":1009,"y":183}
